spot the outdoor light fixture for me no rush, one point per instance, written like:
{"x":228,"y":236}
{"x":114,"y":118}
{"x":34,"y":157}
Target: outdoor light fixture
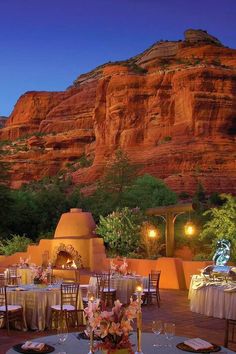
{"x":152,"y":233}
{"x":189,"y":228}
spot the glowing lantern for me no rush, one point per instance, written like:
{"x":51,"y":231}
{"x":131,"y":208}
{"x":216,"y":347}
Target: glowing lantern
{"x":152,"y":233}
{"x":189,"y":228}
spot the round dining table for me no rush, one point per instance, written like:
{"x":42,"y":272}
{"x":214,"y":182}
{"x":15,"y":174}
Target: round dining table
{"x":125,"y":285}
{"x":36,"y":301}
{"x":213,"y":298}
{"x":73,"y":345}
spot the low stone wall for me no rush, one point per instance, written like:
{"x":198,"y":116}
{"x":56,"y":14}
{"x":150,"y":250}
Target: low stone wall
{"x":175,"y":272}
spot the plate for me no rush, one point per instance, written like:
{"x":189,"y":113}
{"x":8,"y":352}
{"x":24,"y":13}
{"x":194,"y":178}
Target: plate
{"x":83,"y":335}
{"x":215,"y":348}
{"x":47,"y":349}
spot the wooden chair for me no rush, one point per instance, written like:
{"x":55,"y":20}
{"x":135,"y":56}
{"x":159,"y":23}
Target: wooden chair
{"x":105,"y":292}
{"x":13,"y":277}
{"x":2,"y":279}
{"x":68,"y":307}
{"x":152,"y":291}
{"x":9,"y":313}
{"x":230,"y":332}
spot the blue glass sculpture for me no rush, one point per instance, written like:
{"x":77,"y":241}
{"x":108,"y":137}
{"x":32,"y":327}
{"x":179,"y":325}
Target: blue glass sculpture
{"x":222,"y":253}
{"x":220,"y":259}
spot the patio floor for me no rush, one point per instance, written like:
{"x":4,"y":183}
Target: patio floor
{"x":174,"y":308}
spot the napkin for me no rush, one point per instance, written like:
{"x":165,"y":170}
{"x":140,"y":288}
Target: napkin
{"x":230,"y":290}
{"x":198,"y":285}
{"x":33,"y":345}
{"x":198,"y":344}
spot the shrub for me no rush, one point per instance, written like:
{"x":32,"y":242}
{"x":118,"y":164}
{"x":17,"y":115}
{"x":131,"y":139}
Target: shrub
{"x":222,"y":224}
{"x":148,"y":192}
{"x":121,"y":230}
{"x":14,"y":244}
{"x":85,"y":162}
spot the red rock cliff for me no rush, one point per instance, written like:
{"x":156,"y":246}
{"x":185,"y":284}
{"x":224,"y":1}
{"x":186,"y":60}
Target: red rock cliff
{"x":171,"y":108}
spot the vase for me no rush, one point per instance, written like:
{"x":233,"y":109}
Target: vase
{"x":117,"y":351}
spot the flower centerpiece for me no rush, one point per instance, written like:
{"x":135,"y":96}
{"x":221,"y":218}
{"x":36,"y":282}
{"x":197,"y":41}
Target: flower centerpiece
{"x":24,"y":262}
{"x":112,"y":327}
{"x":121,"y":269}
{"x":40,"y":275}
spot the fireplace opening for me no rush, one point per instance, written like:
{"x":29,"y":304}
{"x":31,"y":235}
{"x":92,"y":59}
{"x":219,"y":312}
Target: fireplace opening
{"x":66,"y":257}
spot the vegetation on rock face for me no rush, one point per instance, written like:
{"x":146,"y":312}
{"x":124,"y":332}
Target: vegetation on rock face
{"x":14,"y":244}
{"x":111,"y":188}
{"x":34,"y":210}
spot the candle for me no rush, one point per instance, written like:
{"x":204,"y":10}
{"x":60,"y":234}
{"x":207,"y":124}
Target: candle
{"x":91,"y":299}
{"x":139,"y":290}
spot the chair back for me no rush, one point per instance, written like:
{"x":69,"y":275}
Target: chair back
{"x":107,"y":281}
{"x":2,"y":279}
{"x":13,"y":278}
{"x":3,"y":296}
{"x":230,"y":332}
{"x":100,"y":285}
{"x":69,"y":294}
{"x":154,"y":279}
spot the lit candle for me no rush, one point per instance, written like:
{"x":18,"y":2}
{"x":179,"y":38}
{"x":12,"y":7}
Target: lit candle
{"x":139,"y":290}
{"x":91,"y":300}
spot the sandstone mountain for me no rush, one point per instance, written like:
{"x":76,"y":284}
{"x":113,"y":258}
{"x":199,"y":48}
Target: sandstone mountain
{"x":172,"y":108}
{"x":2,"y":121}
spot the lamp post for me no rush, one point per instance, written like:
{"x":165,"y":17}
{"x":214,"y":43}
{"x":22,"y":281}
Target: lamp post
{"x":169,"y":214}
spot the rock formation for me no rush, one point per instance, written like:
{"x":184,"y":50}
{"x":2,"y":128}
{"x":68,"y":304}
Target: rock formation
{"x":172,"y":108}
{"x":2,"y":121}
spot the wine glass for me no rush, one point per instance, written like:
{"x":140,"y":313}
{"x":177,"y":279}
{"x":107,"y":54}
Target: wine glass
{"x":62,"y":332}
{"x":157,"y":327}
{"x":169,"y":330}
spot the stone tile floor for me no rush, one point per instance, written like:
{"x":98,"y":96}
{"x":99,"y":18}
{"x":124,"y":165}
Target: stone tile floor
{"x":174,"y":308}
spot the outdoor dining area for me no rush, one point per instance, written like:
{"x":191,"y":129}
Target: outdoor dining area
{"x":113,"y":305}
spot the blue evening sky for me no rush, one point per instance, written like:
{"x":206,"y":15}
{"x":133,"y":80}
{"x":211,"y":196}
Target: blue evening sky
{"x":46,"y":44}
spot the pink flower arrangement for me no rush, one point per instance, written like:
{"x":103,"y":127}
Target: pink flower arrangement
{"x":40,"y":275}
{"x":24,"y":262}
{"x":112,"y":327}
{"x":119,"y":269}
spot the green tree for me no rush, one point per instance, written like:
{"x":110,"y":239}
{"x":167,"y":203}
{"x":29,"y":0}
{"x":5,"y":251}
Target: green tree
{"x":222,"y":224}
{"x":119,"y":174}
{"x":199,"y":198}
{"x":147,"y":192}
{"x":39,"y":205}
{"x":121,"y":231}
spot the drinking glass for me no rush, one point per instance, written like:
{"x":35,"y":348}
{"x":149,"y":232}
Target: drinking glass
{"x":62,"y":332}
{"x":157,"y":327}
{"x":169,"y":330}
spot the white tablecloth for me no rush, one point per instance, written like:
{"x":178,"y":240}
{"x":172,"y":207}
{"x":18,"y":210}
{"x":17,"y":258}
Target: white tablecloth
{"x":36,"y":303}
{"x":212,"y":298}
{"x":125,"y":286}
{"x":75,"y":346}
